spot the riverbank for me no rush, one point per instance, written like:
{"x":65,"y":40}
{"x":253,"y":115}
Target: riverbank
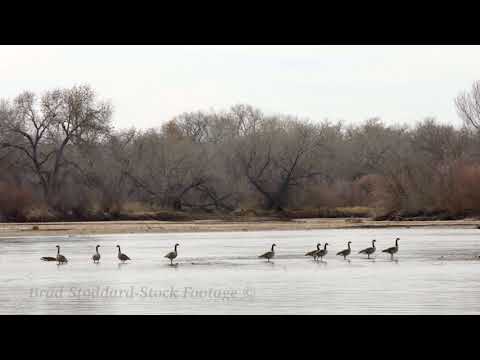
{"x":126,"y":227}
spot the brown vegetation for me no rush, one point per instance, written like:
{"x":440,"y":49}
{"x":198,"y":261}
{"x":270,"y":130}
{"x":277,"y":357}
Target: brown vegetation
{"x":60,"y":159}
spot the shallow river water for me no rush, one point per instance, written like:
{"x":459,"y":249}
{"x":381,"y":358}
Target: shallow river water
{"x":436,"y":271}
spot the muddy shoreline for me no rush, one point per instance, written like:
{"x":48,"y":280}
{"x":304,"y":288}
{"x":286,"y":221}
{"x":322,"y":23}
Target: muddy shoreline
{"x":131,"y":227}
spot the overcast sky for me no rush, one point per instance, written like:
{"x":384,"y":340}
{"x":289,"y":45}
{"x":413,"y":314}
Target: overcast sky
{"x":149,"y":85}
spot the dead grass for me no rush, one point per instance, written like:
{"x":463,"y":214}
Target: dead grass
{"x":338,"y":212}
{"x":136,"y":207}
{"x":39,"y":213}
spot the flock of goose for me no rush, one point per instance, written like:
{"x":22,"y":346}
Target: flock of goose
{"x":61,"y":259}
{"x":318,"y":253}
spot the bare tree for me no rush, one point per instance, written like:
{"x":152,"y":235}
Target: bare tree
{"x":60,"y":146}
{"x":468,"y":106}
{"x":43,"y":129}
{"x":277,"y":156}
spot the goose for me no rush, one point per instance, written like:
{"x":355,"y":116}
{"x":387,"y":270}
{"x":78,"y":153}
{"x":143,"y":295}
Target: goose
{"x":122,"y":257}
{"x":48,"y":258}
{"x":370,"y":250}
{"x":269,"y":254}
{"x":392,"y":250}
{"x":323,"y":252}
{"x":314,"y":252}
{"x":60,"y":258}
{"x":345,"y":252}
{"x":96,"y":256}
{"x":172,"y":255}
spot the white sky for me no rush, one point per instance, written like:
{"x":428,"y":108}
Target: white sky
{"x":149,"y":85}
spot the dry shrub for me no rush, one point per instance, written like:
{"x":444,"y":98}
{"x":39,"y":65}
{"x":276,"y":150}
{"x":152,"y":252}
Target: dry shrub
{"x":328,"y":196}
{"x":330,"y":200}
{"x":355,"y":211}
{"x":108,"y":200}
{"x":322,"y":195}
{"x":14,"y":200}
{"x":377,"y":191}
{"x":74,"y":202}
{"x":247,"y":212}
{"x":394,"y":195}
{"x":469,"y":180}
{"x":458,"y":188}
{"x":453,"y":191}
{"x":39,"y":212}
{"x":137,"y":207}
{"x":253,"y":201}
{"x":324,"y":212}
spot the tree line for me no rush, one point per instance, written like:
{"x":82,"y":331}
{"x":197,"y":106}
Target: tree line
{"x":61,"y":158}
